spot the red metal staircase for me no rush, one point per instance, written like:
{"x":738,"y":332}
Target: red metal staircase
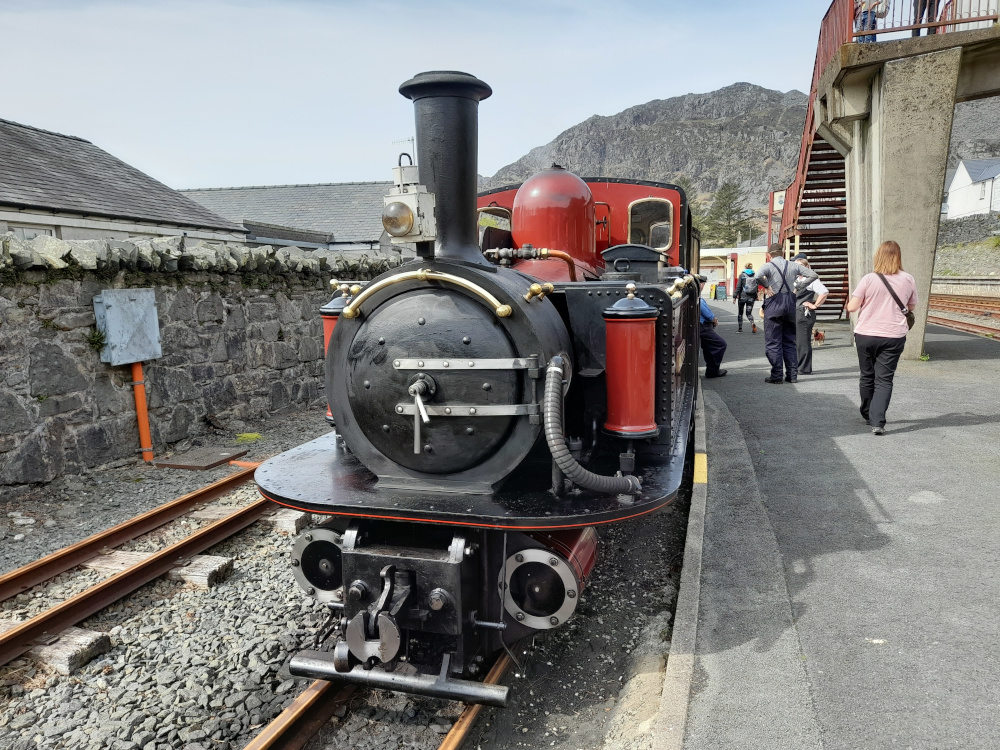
{"x":815,"y":209}
{"x":814,"y":217}
{"x":821,"y":223}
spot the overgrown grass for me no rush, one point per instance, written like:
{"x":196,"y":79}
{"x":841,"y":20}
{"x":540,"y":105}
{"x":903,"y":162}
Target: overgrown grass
{"x":96,"y":339}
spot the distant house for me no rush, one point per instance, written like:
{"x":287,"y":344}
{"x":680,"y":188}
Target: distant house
{"x":949,"y":175}
{"x":973,"y":189}
{"x":66,"y":187}
{"x":340,"y":215}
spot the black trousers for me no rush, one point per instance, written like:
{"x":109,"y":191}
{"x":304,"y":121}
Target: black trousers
{"x":713,"y":347}
{"x":877,"y":360}
{"x":928,"y":8}
{"x":741,"y":303}
{"x":804,"y":339}
{"x":779,"y":335}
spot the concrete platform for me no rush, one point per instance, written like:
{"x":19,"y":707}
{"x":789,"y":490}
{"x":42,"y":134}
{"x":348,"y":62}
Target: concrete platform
{"x":848,"y":587}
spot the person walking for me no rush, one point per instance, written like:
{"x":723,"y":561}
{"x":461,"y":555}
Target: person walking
{"x":778,"y":276}
{"x":713,"y":346}
{"x":884,"y":301}
{"x":809,"y":295}
{"x":745,"y":295}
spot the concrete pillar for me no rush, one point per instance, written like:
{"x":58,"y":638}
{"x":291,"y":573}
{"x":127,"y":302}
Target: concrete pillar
{"x":913,"y":102}
{"x":859,"y":164}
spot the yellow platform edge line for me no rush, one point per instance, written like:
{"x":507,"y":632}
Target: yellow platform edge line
{"x":701,"y":468}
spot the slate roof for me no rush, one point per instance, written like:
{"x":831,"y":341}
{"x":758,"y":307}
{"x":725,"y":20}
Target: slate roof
{"x":54,"y":172}
{"x":350,"y":211}
{"x":949,"y":176}
{"x":982,"y":169}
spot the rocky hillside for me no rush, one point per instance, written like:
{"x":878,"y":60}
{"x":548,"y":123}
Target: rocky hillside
{"x":974,"y":132}
{"x":742,"y":133}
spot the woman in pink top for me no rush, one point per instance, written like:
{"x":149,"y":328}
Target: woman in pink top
{"x":880,"y":330}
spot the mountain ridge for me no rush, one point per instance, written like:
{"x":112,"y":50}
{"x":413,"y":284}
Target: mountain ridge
{"x":741,"y":132}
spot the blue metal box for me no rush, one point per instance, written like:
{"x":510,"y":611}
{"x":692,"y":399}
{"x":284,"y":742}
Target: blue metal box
{"x":130,"y":325}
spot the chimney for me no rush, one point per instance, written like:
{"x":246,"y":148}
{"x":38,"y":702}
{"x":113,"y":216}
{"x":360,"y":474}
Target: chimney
{"x":446,"y":106}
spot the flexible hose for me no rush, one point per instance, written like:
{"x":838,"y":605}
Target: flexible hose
{"x":552,"y":404}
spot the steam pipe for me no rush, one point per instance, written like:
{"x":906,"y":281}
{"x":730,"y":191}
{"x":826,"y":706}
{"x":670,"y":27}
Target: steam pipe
{"x":566,"y":258}
{"x":552,"y":404}
{"x":446,"y":107}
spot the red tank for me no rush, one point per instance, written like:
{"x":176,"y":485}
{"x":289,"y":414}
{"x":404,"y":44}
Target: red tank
{"x":330,"y":313}
{"x":554,"y":209}
{"x":630,"y":367}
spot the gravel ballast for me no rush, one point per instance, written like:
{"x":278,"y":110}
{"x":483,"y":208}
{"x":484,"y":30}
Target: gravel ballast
{"x":198,"y":669}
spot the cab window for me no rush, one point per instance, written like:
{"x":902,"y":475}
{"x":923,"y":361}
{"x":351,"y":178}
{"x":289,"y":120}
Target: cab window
{"x":651,"y":223}
{"x":494,"y":228}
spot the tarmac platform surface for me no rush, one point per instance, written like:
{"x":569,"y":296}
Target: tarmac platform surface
{"x":848,"y":595}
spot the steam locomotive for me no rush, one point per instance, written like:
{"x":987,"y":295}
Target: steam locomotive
{"x":529,"y":376}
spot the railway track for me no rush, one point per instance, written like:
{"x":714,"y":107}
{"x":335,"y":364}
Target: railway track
{"x":48,"y":624}
{"x":992,"y":332}
{"x":986,"y":306}
{"x":298,"y":723}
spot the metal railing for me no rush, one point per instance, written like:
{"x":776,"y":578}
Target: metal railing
{"x":835,"y":31}
{"x":874,"y":18}
{"x":849,"y":21}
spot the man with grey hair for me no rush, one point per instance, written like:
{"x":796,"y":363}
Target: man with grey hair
{"x":777,"y":276}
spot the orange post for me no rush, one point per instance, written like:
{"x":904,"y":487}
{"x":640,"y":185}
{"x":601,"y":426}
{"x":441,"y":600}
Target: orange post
{"x":139,"y":386}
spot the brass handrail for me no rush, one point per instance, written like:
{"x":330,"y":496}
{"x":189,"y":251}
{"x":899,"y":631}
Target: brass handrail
{"x":353,"y":309}
{"x":675,"y":289}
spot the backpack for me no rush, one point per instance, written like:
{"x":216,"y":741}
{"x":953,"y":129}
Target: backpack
{"x":749,"y":286}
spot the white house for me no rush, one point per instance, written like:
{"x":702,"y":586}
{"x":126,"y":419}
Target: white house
{"x":974,"y":189}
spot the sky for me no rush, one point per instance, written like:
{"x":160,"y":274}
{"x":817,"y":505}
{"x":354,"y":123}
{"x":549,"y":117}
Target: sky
{"x":222,"y":94}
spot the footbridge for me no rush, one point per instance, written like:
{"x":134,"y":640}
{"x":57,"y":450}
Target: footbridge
{"x":875,"y":145}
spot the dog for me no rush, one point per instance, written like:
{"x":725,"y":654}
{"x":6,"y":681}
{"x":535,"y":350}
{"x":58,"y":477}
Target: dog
{"x":819,"y":338}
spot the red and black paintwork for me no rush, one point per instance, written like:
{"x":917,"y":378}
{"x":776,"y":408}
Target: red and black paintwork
{"x":612,"y":198}
{"x":447,"y":539}
{"x":323,"y":477}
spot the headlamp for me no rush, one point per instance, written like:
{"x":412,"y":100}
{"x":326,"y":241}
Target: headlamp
{"x":397,"y":218}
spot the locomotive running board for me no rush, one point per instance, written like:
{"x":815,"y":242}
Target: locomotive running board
{"x":319,"y":665}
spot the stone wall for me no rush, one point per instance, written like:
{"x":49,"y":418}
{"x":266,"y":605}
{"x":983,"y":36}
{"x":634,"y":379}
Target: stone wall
{"x":240,"y":332}
{"x":968,"y":229}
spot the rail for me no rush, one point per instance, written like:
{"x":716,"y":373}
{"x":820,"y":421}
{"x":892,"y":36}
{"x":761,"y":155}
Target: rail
{"x":960,"y":325}
{"x":26,"y":634}
{"x":22,"y":579}
{"x":307,"y":714}
{"x":876,"y":18}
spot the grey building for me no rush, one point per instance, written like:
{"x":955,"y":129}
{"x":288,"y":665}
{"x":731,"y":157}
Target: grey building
{"x":341,"y":216}
{"x":66,"y":187}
